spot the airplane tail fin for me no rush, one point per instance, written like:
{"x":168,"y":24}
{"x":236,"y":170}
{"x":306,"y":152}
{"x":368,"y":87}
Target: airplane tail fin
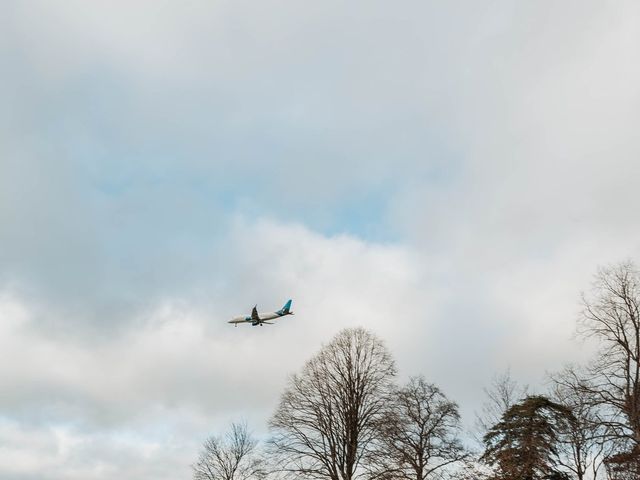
{"x":285,"y":310}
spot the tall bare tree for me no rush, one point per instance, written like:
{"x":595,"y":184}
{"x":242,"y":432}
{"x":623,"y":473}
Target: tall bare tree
{"x":419,"y":439}
{"x":611,"y":315}
{"x":582,"y":444}
{"x":231,"y":457}
{"x":327,"y":416}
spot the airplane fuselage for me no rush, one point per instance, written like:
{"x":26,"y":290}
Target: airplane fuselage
{"x":262,"y":318}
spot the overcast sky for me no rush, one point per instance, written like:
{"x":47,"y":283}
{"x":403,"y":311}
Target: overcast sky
{"x":449,"y":175}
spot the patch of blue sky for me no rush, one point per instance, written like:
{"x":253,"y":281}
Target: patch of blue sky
{"x":365,"y":216}
{"x":359,"y":209}
{"x":172,"y":149}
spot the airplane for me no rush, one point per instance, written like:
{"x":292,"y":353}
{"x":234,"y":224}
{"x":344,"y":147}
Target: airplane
{"x":260,"y":319}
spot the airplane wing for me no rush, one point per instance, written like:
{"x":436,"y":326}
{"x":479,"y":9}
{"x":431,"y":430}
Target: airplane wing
{"x":254,"y":314}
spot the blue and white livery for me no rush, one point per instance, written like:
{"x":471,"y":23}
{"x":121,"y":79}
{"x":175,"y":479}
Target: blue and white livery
{"x":261,"y":318}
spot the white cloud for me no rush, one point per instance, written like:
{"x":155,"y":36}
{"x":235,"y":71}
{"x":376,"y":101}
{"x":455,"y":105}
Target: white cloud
{"x":497,"y":143}
{"x":183,"y":371}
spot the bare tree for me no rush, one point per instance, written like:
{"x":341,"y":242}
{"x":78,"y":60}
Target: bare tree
{"x":582,"y":445}
{"x":611,"y":315}
{"x":232,"y":457}
{"x":503,"y":393}
{"x":419,"y":439}
{"x":327,"y":416}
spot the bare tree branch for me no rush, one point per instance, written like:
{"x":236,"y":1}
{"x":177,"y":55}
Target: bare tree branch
{"x":419,"y":438}
{"x":232,"y":457}
{"x":327,"y":415}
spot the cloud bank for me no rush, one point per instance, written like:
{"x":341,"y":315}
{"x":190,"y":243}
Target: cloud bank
{"x":448,"y":176}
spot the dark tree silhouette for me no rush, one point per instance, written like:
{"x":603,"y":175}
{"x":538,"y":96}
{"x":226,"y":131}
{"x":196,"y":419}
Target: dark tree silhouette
{"x":524,"y":444}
